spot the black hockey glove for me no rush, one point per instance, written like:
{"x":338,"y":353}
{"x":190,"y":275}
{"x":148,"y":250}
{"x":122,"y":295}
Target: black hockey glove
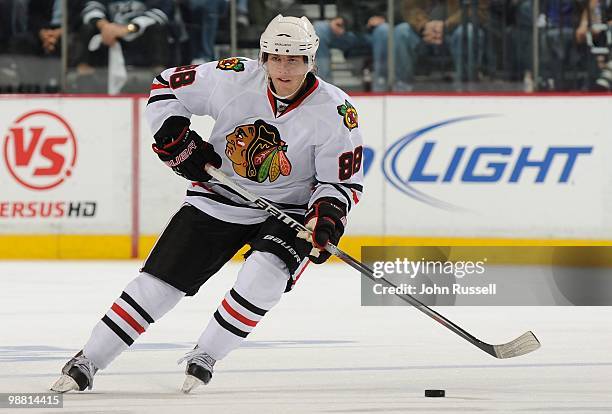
{"x":183,"y":150}
{"x":326,"y":220}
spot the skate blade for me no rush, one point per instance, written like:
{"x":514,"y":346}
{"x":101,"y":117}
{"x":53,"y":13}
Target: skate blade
{"x":190,"y":383}
{"x":64,"y":384}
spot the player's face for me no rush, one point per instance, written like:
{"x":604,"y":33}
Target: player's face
{"x":287,"y":73}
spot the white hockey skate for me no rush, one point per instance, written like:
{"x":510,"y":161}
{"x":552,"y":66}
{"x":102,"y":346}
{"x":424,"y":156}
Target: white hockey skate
{"x":77,"y":375}
{"x":199,"y":369}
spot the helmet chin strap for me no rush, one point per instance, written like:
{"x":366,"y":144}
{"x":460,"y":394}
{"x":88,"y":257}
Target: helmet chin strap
{"x":269,"y":80}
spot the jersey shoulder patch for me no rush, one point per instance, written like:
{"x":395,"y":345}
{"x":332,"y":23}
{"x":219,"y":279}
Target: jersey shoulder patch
{"x":349,"y":115}
{"x":233,"y":63}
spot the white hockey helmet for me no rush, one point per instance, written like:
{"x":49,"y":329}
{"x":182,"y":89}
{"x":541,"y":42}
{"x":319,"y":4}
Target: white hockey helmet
{"x":289,"y":36}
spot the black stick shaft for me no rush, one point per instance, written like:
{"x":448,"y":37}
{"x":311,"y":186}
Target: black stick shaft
{"x":354,"y":263}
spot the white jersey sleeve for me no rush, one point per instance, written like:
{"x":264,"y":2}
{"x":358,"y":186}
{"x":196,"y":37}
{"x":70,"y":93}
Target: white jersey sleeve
{"x":194,"y":89}
{"x":338,"y":159}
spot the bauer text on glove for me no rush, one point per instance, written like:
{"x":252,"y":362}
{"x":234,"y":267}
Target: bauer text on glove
{"x":183,"y":150}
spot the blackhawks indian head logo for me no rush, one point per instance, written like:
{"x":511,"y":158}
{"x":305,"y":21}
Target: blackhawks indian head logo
{"x":257,"y":152}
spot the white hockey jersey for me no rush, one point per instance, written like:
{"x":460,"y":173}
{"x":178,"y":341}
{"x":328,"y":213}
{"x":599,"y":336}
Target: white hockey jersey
{"x":312,"y":149}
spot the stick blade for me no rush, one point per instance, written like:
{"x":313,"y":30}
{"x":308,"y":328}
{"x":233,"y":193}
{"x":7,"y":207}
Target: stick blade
{"x":522,"y":345}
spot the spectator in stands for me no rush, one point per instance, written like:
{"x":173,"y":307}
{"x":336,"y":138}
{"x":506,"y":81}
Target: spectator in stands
{"x":206,"y":15}
{"x":242,"y":12}
{"x":141,"y":27}
{"x":598,"y":12}
{"x":37,"y":36}
{"x":360,"y":29}
{"x":522,"y":42}
{"x":13,"y":21}
{"x":557,"y":21}
{"x":430,"y":24}
{"x":44,"y":31}
{"x":332,"y":34}
{"x":6,"y":33}
{"x":596,"y":37}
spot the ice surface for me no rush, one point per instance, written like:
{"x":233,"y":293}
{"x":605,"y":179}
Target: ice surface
{"x":317,"y":351}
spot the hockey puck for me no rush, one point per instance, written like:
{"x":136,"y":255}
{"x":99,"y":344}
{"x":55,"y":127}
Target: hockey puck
{"x":435,"y":393}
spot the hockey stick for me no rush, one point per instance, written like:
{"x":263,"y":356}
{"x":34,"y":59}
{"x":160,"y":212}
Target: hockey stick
{"x":522,"y":345}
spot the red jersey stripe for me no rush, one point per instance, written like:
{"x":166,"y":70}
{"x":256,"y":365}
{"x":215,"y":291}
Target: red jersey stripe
{"x":159,"y":86}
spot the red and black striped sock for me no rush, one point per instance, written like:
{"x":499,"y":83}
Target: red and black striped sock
{"x":144,"y":300}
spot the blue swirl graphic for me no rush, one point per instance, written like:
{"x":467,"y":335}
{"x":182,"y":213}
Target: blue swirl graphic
{"x":390,"y":161}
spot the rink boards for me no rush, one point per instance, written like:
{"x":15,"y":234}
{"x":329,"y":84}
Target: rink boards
{"x":79,"y":179}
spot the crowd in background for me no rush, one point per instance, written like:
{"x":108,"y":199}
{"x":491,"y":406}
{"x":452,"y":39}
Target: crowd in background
{"x":437,"y":44}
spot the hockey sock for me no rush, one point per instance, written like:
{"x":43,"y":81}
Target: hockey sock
{"x":143,"y":301}
{"x":259,"y":286}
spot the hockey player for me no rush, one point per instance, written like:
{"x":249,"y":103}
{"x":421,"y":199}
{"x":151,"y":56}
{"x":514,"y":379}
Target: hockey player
{"x":280,"y":132}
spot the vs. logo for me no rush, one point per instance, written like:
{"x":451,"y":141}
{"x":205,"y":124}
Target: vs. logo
{"x":40,"y":150}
